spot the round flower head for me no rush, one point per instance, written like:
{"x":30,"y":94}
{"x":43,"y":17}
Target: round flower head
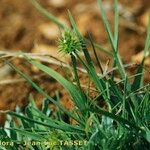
{"x":69,"y":42}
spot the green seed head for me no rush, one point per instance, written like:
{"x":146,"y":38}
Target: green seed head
{"x":69,"y":42}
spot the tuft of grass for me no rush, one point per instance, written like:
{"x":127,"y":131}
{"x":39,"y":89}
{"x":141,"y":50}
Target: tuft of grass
{"x":124,"y":123}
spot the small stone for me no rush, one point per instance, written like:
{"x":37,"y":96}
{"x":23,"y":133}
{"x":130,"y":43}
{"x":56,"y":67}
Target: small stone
{"x":90,"y":23}
{"x":57,"y":3}
{"x":138,"y":58}
{"x":49,"y":31}
{"x":5,"y":71}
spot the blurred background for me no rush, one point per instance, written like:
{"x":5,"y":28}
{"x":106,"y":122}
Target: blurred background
{"x":23,"y":28}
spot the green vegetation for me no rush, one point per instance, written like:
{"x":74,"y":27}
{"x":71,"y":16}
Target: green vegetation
{"x":124,"y":124}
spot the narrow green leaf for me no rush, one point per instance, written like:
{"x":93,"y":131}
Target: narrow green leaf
{"x":106,"y":23}
{"x":119,"y":119}
{"x":91,"y":69}
{"x":138,"y":81}
{"x":40,"y":90}
{"x":113,"y":40}
{"x":47,"y":14}
{"x":73,"y":91}
{"x":116,"y":25}
{"x":147,"y":43}
{"x":51,"y":125}
{"x":60,"y":123}
{"x":31,"y":135}
{"x":45,"y":109}
{"x":147,"y":134}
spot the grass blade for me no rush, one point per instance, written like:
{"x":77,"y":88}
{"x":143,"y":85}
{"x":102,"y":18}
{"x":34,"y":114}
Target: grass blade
{"x":106,"y":23}
{"x":116,"y":25}
{"x":40,"y":90}
{"x":47,"y":14}
{"x":73,"y":91}
{"x":100,"y":84}
{"x":113,"y":40}
{"x":138,"y":81}
{"x":50,"y":125}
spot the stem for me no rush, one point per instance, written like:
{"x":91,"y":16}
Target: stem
{"x":98,"y":62}
{"x":74,"y":64}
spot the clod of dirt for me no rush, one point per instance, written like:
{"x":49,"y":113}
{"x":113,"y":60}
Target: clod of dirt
{"x":5,"y":71}
{"x":90,"y":23}
{"x":49,"y":31}
{"x":82,"y":8}
{"x":57,"y":3}
{"x":138,"y":58}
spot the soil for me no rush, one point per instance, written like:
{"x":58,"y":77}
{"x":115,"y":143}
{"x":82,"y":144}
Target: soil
{"x":23,"y":28}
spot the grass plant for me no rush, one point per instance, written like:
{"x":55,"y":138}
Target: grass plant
{"x":123,"y":124}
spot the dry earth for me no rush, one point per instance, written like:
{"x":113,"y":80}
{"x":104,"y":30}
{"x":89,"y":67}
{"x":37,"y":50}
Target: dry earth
{"x":23,"y":28}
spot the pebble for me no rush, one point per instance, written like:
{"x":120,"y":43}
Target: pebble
{"x":57,"y":3}
{"x":138,"y":58}
{"x":49,"y":31}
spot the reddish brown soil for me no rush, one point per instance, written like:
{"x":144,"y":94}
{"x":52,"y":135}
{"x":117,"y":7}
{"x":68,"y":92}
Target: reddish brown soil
{"x":19,"y":30}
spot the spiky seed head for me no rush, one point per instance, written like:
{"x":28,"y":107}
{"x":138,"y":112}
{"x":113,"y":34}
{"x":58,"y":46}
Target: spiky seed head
{"x":69,"y":42}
